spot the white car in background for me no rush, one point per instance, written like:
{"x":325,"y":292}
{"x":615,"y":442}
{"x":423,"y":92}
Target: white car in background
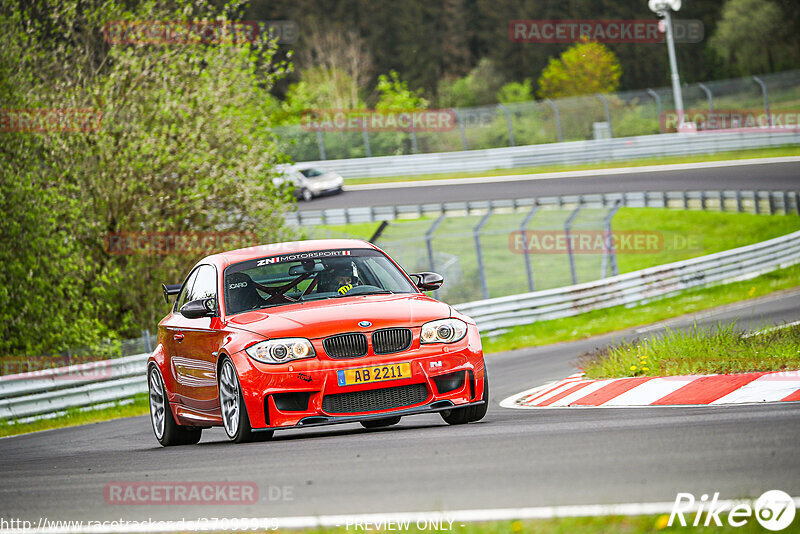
{"x":309,"y":180}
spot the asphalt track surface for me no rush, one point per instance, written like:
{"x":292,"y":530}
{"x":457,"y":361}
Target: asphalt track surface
{"x":766,"y":176}
{"x":513,"y":458}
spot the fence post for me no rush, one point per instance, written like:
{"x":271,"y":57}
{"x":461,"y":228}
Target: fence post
{"x":657,"y":98}
{"x":509,"y":125}
{"x":428,"y":239}
{"x":760,"y":82}
{"x":604,"y":100}
{"x":429,"y":242}
{"x":481,"y":267}
{"x":526,"y":255}
{"x":567,"y":227}
{"x":739,"y":200}
{"x":320,"y":144}
{"x":721,"y":200}
{"x":757,"y":202}
{"x":461,"y":131}
{"x":414,"y":147}
{"x":146,"y":336}
{"x":557,"y":117}
{"x":365,"y":135}
{"x":709,"y":97}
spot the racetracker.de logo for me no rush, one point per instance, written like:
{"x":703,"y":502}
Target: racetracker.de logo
{"x":55,"y":120}
{"x":602,"y":31}
{"x":748,"y":120}
{"x":163,"y":243}
{"x":171,"y":32}
{"x":55,"y":368}
{"x":180,"y":493}
{"x":359,"y":120}
{"x":598,"y":242}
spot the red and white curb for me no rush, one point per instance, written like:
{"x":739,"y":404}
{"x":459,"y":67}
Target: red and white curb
{"x":575,"y":390}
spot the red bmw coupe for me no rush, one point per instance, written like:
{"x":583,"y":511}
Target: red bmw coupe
{"x":301,"y":334}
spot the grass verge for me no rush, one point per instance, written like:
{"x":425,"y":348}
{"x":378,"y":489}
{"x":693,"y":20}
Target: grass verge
{"x":645,"y":524}
{"x":723,"y":350}
{"x":642,"y":162}
{"x":621,"y":317}
{"x":75,"y":416}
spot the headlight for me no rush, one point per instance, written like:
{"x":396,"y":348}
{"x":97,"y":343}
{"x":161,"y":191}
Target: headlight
{"x":281,"y":350}
{"x":443,"y":331}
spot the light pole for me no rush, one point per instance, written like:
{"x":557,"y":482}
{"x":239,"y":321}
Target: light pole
{"x":662,"y":8}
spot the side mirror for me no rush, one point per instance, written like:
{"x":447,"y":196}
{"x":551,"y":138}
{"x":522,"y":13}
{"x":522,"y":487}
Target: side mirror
{"x":428,"y":281}
{"x":199,"y":308}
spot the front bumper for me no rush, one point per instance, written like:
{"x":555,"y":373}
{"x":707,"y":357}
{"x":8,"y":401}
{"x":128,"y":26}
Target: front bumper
{"x":293,"y":395}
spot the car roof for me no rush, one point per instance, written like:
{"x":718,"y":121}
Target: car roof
{"x":304,"y":166}
{"x":223,"y":259}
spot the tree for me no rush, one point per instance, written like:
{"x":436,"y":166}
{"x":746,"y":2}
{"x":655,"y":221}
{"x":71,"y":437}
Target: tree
{"x":752,"y":37}
{"x":515,"y":92}
{"x":478,"y":88}
{"x":584,"y":68}
{"x":396,"y":96}
{"x":183,"y":147}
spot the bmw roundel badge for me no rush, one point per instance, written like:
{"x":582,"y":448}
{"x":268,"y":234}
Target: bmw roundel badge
{"x":365,"y":324}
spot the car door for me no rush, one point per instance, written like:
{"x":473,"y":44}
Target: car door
{"x":196,"y":344}
{"x":170,"y":332}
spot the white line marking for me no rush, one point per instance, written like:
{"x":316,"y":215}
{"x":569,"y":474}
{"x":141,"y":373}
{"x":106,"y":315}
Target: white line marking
{"x":648,"y":392}
{"x":456,"y":516}
{"x":771,"y":329}
{"x":572,"y":174}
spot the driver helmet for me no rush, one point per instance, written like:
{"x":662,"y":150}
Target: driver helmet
{"x":340,"y":273}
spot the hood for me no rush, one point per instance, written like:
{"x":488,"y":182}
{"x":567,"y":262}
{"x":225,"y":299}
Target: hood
{"x":317,"y":319}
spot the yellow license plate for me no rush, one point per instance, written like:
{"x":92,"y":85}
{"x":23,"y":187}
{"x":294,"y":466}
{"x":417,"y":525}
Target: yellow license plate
{"x":378,"y":373}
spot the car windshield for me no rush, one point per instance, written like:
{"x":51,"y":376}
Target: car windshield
{"x":306,"y":276}
{"x":312,"y":173}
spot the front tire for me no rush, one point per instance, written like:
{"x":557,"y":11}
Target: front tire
{"x":233,"y":409}
{"x":380,"y":423}
{"x":469,"y":414}
{"x":306,"y":195}
{"x":168,"y":432}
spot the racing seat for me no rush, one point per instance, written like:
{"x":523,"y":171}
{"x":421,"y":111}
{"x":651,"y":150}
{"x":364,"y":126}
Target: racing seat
{"x":242,"y":293}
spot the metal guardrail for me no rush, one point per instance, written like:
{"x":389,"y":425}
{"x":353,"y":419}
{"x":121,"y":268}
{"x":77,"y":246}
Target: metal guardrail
{"x":572,"y":152}
{"x":734,"y":201}
{"x":75,"y":386}
{"x":636,"y":287}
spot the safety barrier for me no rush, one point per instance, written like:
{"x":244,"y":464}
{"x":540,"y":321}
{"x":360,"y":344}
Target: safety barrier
{"x":572,"y":153}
